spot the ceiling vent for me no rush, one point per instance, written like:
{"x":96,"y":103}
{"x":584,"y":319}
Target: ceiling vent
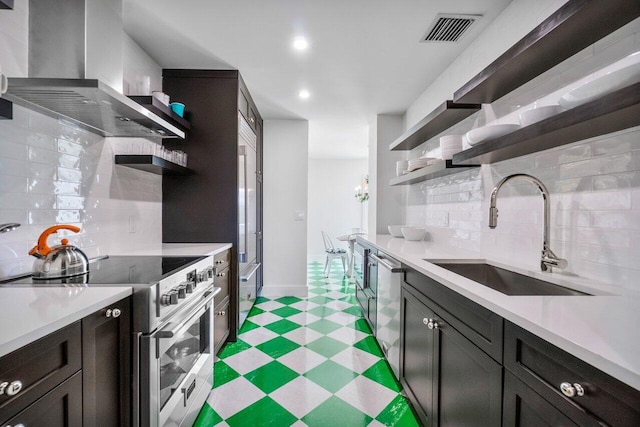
{"x":449,"y":28}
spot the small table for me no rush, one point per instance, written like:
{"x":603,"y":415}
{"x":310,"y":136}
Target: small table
{"x":351,"y":238}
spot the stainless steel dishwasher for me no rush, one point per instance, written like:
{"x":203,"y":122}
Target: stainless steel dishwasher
{"x":388,"y":309}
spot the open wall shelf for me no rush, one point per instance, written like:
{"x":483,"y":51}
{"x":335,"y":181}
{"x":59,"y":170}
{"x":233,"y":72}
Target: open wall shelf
{"x":616,"y":111}
{"x":440,"y":119}
{"x":437,"y":170}
{"x":153,"y":164}
{"x":155,"y":106}
{"x":573,"y":27}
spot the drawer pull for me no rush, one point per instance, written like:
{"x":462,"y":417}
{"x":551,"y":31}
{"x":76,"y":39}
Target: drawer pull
{"x":432,"y":324}
{"x":13,"y":388}
{"x":221,"y":274}
{"x":113,"y":313}
{"x":221,"y":313}
{"x":427,"y":321}
{"x":572,"y":390}
{"x":219,"y":261}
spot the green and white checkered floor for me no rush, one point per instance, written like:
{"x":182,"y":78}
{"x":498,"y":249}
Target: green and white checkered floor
{"x":306,"y":362}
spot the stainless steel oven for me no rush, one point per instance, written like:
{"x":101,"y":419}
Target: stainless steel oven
{"x":173,"y":331}
{"x":178,"y":358}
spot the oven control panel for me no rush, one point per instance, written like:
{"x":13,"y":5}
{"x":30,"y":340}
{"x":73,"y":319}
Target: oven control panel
{"x":181,"y":287}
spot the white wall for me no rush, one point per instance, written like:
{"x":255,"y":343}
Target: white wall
{"x":387,"y":205}
{"x":594,"y":184}
{"x":333,"y":207}
{"x":142,"y":75}
{"x":53,"y":173}
{"x":285,"y":165}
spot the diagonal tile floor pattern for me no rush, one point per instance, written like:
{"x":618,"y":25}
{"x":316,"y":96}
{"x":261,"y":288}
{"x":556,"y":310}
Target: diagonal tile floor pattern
{"x":306,"y":362}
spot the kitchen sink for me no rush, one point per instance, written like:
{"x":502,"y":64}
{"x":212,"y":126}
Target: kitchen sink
{"x":505,"y":281}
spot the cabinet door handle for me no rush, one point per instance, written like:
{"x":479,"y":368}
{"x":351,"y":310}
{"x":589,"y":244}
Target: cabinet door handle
{"x":113,"y":312}
{"x":10,"y":389}
{"x":570,"y":390}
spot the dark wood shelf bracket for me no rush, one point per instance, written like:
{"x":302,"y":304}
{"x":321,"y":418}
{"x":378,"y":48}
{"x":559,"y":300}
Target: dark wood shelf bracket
{"x":6,"y":109}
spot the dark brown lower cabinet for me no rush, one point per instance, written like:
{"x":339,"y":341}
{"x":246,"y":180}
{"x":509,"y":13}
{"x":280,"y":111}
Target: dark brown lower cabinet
{"x":222,"y":314}
{"x":79,"y":375}
{"x":106,"y":366}
{"x":449,"y":380}
{"x":524,"y":407}
{"x":61,"y":407}
{"x":220,"y":325}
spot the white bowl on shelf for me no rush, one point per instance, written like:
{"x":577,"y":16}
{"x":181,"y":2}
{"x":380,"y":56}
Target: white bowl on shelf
{"x":485,"y":133}
{"x":395,"y":230}
{"x":604,"y":85}
{"x":412,"y":233}
{"x":538,"y":114}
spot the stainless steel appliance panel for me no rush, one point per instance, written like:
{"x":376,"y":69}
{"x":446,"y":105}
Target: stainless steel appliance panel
{"x":177,"y":362}
{"x":247,"y":217}
{"x":389,"y":277}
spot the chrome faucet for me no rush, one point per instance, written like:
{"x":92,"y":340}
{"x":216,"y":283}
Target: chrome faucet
{"x":549,"y":259}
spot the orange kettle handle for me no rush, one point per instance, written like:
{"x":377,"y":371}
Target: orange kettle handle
{"x":42,"y":248}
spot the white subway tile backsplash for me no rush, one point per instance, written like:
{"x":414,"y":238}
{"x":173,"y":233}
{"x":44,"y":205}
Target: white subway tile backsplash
{"x":51,"y":173}
{"x":628,"y":220}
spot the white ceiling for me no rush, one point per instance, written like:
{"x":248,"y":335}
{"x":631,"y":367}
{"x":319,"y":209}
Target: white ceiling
{"x":364,"y":57}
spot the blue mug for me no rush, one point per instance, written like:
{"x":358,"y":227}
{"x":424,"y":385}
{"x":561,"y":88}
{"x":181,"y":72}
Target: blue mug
{"x":177,"y":108}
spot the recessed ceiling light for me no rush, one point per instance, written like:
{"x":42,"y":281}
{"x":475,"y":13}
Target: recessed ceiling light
{"x":300,"y":43}
{"x":304,"y":94}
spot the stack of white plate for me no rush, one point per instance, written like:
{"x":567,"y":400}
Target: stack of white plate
{"x":418,"y":163}
{"x":450,"y":145}
{"x":401,"y":167}
{"x":486,"y":133}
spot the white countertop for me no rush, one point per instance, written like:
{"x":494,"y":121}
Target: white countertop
{"x":27,"y":314}
{"x":30,"y":313}
{"x":603,"y":330}
{"x":177,"y":249}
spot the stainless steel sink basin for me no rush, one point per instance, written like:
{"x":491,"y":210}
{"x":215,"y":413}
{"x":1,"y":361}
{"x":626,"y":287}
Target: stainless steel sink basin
{"x":505,"y":281}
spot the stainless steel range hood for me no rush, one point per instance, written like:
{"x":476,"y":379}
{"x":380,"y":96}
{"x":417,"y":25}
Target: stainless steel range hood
{"x":76,"y":70}
{"x":91,"y":105}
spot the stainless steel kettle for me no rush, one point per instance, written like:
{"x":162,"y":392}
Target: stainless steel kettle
{"x":61,"y":261}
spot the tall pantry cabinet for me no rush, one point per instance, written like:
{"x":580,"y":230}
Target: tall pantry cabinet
{"x":215,"y":204}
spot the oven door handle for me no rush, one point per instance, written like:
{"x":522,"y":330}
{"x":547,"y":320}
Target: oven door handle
{"x":171,"y":331}
{"x":386,"y":263}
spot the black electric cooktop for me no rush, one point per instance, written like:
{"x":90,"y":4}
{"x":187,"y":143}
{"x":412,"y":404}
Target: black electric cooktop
{"x":118,"y":270}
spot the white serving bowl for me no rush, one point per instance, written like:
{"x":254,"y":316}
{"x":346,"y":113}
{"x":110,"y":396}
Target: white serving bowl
{"x":412,"y":233}
{"x":537,"y":114}
{"x":395,"y":230}
{"x":476,"y":136}
{"x":604,"y":85}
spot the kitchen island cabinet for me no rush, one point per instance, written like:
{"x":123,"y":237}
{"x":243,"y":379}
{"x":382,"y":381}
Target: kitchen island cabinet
{"x":79,"y":375}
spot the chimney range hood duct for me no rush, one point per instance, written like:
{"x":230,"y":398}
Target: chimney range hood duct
{"x":76,"y":70}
